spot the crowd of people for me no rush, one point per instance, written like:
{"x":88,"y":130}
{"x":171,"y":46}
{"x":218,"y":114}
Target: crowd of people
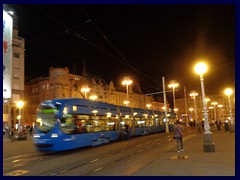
{"x":12,"y":132}
{"x":198,"y":126}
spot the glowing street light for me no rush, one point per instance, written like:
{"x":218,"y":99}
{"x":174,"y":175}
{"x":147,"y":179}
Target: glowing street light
{"x":229,"y":92}
{"x":176,"y":110}
{"x":208,"y":145}
{"x":173,"y":84}
{"x":126,"y":102}
{"x":194,"y":94}
{"x":85,"y":90}
{"x":127,"y":81}
{"x":191,"y":110}
{"x":148,"y":106}
{"x":93,"y":97}
{"x":207,"y":100}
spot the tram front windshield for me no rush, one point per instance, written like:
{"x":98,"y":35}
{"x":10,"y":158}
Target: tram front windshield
{"x":46,"y":117}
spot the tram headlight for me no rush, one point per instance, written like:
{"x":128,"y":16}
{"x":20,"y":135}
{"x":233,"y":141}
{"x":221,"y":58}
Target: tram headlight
{"x":54,"y":135}
{"x":36,"y":135}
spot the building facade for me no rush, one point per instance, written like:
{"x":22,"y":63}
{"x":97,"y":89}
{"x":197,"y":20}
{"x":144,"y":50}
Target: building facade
{"x":10,"y":109}
{"x":218,"y":112}
{"x":62,"y":84}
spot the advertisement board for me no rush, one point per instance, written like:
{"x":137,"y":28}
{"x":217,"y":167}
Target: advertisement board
{"x":7,"y":55}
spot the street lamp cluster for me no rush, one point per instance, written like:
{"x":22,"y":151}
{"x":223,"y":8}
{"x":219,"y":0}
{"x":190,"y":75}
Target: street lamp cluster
{"x":85,"y":90}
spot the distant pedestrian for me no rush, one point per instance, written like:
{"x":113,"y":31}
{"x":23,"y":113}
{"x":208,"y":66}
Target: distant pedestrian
{"x":199,"y":128}
{"x":126,"y":131}
{"x":30,"y":130}
{"x":218,"y":124}
{"x":11,"y":133}
{"x":178,"y":135}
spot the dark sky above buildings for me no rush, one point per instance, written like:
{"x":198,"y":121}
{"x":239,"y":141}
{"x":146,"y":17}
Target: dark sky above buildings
{"x":144,"y":42}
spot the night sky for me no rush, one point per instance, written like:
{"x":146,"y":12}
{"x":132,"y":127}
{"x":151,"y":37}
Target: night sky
{"x":145,"y":42}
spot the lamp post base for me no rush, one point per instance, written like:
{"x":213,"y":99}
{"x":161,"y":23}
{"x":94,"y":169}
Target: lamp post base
{"x":232,"y":128}
{"x":208,"y":145}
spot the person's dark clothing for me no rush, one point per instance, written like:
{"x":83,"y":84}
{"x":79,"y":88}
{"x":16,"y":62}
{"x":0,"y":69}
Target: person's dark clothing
{"x":178,"y":135}
{"x":218,"y":124}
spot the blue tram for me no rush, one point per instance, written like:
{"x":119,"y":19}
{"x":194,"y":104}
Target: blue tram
{"x":63,"y":124}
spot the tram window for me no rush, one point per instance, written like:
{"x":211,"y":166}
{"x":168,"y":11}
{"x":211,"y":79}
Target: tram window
{"x":46,"y":118}
{"x":151,"y":122}
{"x":126,"y":120}
{"x":136,"y":121}
{"x":157,"y":121}
{"x":110,"y":123}
{"x":68,"y":124}
{"x":141,"y":123}
{"x":161,"y":120}
{"x":97,"y":124}
{"x":82,"y":123}
{"x":80,"y":126}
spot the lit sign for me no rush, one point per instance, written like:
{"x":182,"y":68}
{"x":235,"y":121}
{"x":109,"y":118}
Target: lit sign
{"x":7,"y":54}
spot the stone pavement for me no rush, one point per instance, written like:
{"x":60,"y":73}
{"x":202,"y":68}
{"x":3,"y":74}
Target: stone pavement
{"x":16,"y":148}
{"x":196,"y":162}
{"x":191,"y":162}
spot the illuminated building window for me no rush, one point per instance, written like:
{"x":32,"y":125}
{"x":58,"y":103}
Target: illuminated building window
{"x":15,"y":77}
{"x":16,"y":55}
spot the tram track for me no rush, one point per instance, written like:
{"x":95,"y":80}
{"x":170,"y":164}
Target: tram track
{"x":130,"y":154}
{"x":91,"y":160}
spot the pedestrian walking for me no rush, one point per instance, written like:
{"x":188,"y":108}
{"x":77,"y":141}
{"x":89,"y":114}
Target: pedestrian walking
{"x":178,"y":135}
{"x":218,"y":124}
{"x":199,"y":128}
{"x":126,"y":131}
{"x":11,"y":134}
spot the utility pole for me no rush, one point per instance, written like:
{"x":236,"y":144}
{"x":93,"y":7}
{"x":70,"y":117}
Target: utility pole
{"x":185,"y":96}
{"x":165,"y":104}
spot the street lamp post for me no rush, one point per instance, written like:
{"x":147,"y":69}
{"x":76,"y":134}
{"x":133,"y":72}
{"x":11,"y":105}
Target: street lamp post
{"x":176,"y":110}
{"x":208,"y":145}
{"x":173,"y":84}
{"x":191,"y":110}
{"x":85,"y":90}
{"x":148,"y":107}
{"x":126,"y":81}
{"x":215,"y":112}
{"x":207,"y":100}
{"x":220,"y":111}
{"x":19,"y":104}
{"x":194,"y":94}
{"x":211,"y":113}
{"x":228,"y":92}
{"x":165,"y":105}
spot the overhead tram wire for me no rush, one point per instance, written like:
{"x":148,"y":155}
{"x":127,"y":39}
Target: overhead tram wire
{"x":56,"y":33}
{"x":122,"y":56}
{"x":104,"y":36}
{"x":93,"y":44}
{"x":79,"y":36}
{"x":40,"y":60}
